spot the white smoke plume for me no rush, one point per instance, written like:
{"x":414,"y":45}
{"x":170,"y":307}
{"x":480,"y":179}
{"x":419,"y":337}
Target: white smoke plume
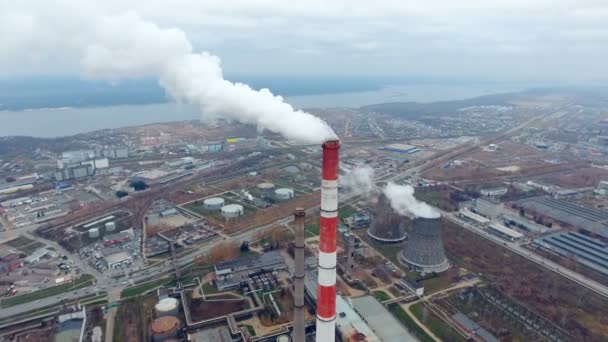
{"x":115,"y":47}
{"x":359,"y":179}
{"x":403,"y":201}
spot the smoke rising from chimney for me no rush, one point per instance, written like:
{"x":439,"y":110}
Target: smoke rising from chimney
{"x":124,"y":46}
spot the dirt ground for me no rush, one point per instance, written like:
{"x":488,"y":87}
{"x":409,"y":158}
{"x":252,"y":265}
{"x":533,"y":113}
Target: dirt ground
{"x":201,"y":310}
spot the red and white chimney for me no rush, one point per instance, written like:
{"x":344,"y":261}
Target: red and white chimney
{"x":328,"y":234}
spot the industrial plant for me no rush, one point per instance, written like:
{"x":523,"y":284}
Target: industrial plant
{"x":424,"y":250}
{"x":388,"y":226}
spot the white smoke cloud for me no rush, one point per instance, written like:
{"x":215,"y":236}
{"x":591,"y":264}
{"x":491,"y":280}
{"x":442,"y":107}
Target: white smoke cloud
{"x":121,"y":46}
{"x":403,"y":201}
{"x":359,"y":179}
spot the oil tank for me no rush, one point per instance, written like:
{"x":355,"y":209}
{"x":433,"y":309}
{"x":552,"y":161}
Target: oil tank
{"x":266,"y":187}
{"x":283,"y":338}
{"x":388,"y":226}
{"x":167,"y":307}
{"x":424,"y":249}
{"x":94,"y":233}
{"x":213,"y":203}
{"x":284,"y":194}
{"x":232,"y":210}
{"x":164,"y":328}
{"x":110,"y":226}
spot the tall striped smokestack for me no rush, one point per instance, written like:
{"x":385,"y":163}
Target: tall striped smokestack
{"x":326,"y":294}
{"x":298,"y":315}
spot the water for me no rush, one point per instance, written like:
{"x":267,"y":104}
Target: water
{"x":63,"y":122}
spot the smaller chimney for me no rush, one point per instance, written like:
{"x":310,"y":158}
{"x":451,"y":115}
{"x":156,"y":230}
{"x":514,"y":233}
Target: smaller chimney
{"x":298,"y":317}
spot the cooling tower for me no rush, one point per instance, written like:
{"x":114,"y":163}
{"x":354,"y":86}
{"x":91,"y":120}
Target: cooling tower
{"x":388,"y":226}
{"x":424,"y":248}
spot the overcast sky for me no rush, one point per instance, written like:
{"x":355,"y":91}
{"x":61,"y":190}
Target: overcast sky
{"x":523,"y":40}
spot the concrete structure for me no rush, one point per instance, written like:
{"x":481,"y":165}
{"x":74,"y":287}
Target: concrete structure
{"x":489,"y":208}
{"x":400,"y":148}
{"x":388,"y":226}
{"x":112,"y":239}
{"x":36,"y":256}
{"x":213,"y":203}
{"x":167,"y":307}
{"x":164,"y":328}
{"x":216,"y":334}
{"x":328,"y":235}
{"x":284,"y":194}
{"x":70,"y":157}
{"x":93,"y":233}
{"x":110,"y":226}
{"x":523,"y":223}
{"x":424,"y":250}
{"x":504,"y":232}
{"x":298,"y":315}
{"x":232,"y":211}
{"x":113,"y":257}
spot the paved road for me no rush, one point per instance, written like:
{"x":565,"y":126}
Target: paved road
{"x":546,"y":263}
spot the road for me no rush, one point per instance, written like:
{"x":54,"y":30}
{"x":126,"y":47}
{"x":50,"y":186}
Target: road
{"x":546,"y":263}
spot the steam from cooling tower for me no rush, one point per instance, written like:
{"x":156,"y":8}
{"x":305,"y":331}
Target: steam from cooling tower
{"x":403,"y":201}
{"x":124,"y":46}
{"x":359,"y":179}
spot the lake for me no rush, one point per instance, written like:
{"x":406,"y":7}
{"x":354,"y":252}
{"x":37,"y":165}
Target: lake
{"x":63,"y":122}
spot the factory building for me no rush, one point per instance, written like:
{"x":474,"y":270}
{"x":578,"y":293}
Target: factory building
{"x":494,"y":192}
{"x":115,"y":152}
{"x":229,"y":273}
{"x":472,"y":217}
{"x":591,"y":252}
{"x":523,"y":223}
{"x":350,"y":325}
{"x":504,"y":232}
{"x":71,"y":157}
{"x":114,"y":256}
{"x":119,"y":237}
{"x":216,"y":146}
{"x":587,"y":219}
{"x":488,"y":207}
{"x":400,"y":148}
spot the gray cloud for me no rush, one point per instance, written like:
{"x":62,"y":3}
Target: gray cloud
{"x":533,"y":39}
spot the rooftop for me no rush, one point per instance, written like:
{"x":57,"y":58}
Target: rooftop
{"x":381,"y":321}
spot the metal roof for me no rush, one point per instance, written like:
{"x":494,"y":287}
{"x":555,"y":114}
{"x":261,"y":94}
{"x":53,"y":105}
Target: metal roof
{"x":382,"y":322}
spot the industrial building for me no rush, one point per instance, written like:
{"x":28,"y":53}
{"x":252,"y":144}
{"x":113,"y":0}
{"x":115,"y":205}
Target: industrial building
{"x":472,"y":328}
{"x":504,"y":232}
{"x":488,"y":207}
{"x":588,"y":219}
{"x":350,"y":325}
{"x":523,"y":223}
{"x":380,"y":320}
{"x":388,"y":225}
{"x":424,"y":250}
{"x":591,"y":252}
{"x":114,"y":256}
{"x":472,"y":217}
{"x":119,"y":237}
{"x":400,"y":148}
{"x":494,"y":192}
{"x":230,"y":273}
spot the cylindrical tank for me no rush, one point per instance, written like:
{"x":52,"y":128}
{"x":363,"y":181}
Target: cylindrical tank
{"x":283,"y":338}
{"x":167,"y":307}
{"x":94,"y":233}
{"x":213,"y":203}
{"x":284,"y":194}
{"x":164,"y":328}
{"x":266,"y":187}
{"x":232,"y":210}
{"x":110,"y":227}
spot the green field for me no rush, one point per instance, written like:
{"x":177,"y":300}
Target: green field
{"x":409,"y":323}
{"x":84,"y":281}
{"x":145,"y":287}
{"x":382,"y":296}
{"x":435,"y":324}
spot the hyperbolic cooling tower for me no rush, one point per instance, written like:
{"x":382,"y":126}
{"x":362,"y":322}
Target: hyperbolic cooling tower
{"x":424,"y":249}
{"x":388,"y":226}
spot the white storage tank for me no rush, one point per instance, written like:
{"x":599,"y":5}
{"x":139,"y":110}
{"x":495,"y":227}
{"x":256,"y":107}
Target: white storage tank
{"x":94,"y":233}
{"x":213,"y":203}
{"x":232,"y":210}
{"x":284,"y":194}
{"x":167,"y":307}
{"x":266,"y":187}
{"x":110,"y":226}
